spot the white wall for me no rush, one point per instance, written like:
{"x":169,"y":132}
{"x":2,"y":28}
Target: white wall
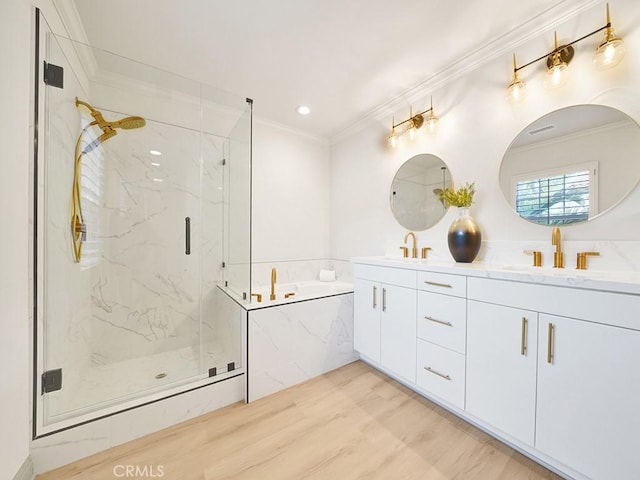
{"x":14,"y":241}
{"x":476,"y":127}
{"x":291,"y":182}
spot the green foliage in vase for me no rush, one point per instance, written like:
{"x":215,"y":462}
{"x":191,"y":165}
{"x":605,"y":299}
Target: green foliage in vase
{"x":462,"y":197}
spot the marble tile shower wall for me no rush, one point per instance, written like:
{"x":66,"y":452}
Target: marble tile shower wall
{"x":135,"y":293}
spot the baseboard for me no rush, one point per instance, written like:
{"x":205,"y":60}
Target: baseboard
{"x":26,"y":471}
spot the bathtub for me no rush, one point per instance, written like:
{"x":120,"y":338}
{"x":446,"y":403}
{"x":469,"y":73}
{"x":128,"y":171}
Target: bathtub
{"x":307,"y":290}
{"x":295,"y":339}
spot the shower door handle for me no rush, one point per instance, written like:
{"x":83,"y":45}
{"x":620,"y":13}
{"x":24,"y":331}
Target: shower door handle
{"x":187,"y":235}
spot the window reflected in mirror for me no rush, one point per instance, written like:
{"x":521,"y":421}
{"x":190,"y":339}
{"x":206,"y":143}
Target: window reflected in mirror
{"x":571,"y":165}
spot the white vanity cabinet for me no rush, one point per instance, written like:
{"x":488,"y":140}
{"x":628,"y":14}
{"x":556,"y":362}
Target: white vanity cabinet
{"x":502,"y":346}
{"x":586,"y":385}
{"x":385,"y":318}
{"x":588,"y":396}
{"x":547,"y":363}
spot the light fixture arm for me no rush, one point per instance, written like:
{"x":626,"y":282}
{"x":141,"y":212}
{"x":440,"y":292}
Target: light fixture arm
{"x":412,"y":117}
{"x":562,"y":47}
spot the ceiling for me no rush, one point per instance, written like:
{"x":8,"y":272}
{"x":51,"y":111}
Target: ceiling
{"x":342,"y":58}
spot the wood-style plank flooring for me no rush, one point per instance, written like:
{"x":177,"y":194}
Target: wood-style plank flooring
{"x":352,"y":423}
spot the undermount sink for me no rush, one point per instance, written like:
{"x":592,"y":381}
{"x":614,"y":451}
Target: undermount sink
{"x":572,"y":272}
{"x":569,"y":272}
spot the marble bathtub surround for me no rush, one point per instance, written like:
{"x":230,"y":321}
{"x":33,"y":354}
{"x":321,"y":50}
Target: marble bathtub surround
{"x":298,"y":270}
{"x":294,"y":342}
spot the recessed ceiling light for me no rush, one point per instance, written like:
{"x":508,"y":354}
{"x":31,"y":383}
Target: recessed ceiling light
{"x":155,"y":152}
{"x":155,"y":164}
{"x":303,"y":110}
{"x":158,"y":180}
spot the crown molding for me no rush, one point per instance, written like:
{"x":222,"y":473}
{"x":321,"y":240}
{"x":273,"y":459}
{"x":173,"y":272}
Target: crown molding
{"x":504,"y":44}
{"x":71,"y":20}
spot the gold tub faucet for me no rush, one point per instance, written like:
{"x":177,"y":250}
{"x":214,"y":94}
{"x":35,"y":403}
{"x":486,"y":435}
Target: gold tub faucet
{"x":414,"y":249}
{"x":273,"y":284}
{"x":558,"y":256}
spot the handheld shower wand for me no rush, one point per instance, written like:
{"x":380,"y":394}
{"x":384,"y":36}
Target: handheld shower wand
{"x":78,"y":226}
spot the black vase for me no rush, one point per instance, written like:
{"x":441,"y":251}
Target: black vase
{"x":464,"y":237}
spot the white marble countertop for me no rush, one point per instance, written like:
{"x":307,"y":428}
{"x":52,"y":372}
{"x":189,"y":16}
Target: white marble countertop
{"x":610,"y":281}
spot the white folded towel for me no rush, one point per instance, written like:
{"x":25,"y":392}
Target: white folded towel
{"x":327,"y":275}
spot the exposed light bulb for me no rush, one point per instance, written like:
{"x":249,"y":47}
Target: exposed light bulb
{"x":432,"y":123}
{"x":412,"y":132}
{"x":557,"y":72}
{"x":557,"y":75}
{"x":610,"y":52}
{"x":516,"y":91}
{"x":393,"y":139}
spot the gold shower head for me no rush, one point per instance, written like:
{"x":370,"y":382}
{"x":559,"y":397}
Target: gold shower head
{"x":129,"y":123}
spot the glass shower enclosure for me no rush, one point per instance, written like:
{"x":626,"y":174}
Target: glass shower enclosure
{"x":142,"y":214}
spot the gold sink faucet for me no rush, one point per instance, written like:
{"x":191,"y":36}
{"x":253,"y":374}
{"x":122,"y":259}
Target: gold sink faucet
{"x":558,"y":256}
{"x":273,"y":284}
{"x":414,"y":249}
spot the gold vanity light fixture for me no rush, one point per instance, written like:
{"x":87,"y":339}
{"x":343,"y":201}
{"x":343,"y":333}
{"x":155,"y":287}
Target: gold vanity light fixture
{"x":608,"y":54}
{"x":414,"y":123}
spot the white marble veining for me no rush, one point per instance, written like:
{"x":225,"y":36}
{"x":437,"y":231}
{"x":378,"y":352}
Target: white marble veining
{"x":133,"y":306}
{"x":626,"y":281}
{"x":291,"y":343}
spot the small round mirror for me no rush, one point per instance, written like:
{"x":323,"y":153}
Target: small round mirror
{"x":415,"y":190}
{"x":571,"y":165}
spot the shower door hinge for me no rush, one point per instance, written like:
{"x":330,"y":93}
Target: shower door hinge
{"x":224,"y":161}
{"x":213,"y":372}
{"x":231,"y":366}
{"x":51,"y":380}
{"x":224,"y":265}
{"x":53,"y":75}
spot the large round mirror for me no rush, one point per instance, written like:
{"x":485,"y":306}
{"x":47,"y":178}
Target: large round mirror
{"x":415,"y":189}
{"x":571,"y":165}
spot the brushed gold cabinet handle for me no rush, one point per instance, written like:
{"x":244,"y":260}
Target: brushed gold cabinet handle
{"x":523,"y":344}
{"x":441,"y":322}
{"x":435,"y":372}
{"x":437,"y":284}
{"x":375,"y":294}
{"x":550,"y":344}
{"x":384,"y":299}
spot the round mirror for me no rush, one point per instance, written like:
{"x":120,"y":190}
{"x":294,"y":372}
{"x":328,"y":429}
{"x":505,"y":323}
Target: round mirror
{"x":571,"y":165}
{"x":415,"y":189}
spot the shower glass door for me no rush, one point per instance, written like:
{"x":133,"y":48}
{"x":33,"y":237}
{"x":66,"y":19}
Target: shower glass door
{"x":132,"y":315}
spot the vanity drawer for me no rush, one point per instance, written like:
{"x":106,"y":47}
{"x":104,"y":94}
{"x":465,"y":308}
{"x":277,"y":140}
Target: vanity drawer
{"x":441,"y":372}
{"x":443,"y":283}
{"x":442,"y":319}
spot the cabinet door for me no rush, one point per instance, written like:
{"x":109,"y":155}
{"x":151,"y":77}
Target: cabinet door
{"x":366,"y":318}
{"x":501,"y":367}
{"x":398,"y":330}
{"x":588,"y":393}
